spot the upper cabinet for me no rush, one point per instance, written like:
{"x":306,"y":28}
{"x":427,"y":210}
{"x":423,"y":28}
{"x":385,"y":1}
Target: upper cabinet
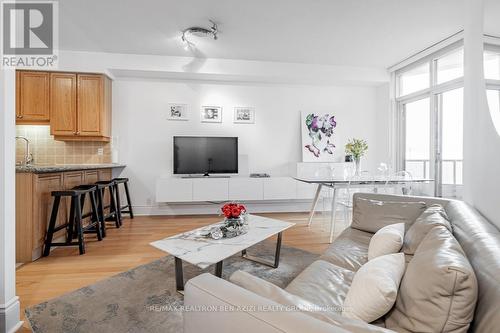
{"x":63,"y":118}
{"x":32,"y":97}
{"x":94,"y":106}
{"x":79,"y":105}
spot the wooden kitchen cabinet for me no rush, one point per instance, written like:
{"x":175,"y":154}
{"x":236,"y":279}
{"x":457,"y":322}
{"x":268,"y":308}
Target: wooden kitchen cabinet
{"x":32,"y":97}
{"x":89,"y":119}
{"x":63,"y":119}
{"x":76,"y":105}
{"x":34,"y":206}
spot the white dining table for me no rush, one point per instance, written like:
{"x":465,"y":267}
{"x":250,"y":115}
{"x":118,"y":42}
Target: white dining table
{"x":336,"y":183}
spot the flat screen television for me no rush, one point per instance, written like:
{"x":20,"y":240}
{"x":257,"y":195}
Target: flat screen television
{"x":205,"y":155}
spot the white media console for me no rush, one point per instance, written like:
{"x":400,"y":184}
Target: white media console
{"x":170,"y":189}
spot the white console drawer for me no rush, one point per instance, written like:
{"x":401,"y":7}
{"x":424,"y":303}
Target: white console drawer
{"x":246,"y":189}
{"x":305,"y":190}
{"x":280,"y":188}
{"x":210,"y":189}
{"x":174,"y":190}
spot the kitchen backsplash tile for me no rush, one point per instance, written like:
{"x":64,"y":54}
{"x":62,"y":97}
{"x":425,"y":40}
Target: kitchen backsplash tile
{"x":47,"y":151}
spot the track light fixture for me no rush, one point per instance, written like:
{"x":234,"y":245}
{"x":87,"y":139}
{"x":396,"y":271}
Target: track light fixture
{"x":200,"y":32}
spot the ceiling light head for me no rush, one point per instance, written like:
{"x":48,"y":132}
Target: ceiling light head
{"x":200,"y":32}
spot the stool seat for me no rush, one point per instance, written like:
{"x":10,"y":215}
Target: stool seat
{"x":120,"y":180}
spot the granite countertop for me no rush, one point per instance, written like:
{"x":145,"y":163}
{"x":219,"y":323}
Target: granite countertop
{"x":65,"y":167}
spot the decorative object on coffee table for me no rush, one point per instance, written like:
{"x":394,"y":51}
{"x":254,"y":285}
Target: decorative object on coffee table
{"x":356,"y":148}
{"x":199,"y":250}
{"x":235,"y":222}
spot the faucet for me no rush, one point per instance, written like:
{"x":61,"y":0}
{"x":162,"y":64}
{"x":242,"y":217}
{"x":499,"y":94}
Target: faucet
{"x":28,"y":157}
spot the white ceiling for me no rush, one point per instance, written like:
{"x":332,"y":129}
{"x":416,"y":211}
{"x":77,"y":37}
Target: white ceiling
{"x":491,"y":15}
{"x":334,"y":32}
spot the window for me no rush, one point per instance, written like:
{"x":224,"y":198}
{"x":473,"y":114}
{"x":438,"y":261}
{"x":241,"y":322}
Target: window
{"x":450,"y":66}
{"x":491,"y":65}
{"x":417,"y":137}
{"x":494,"y":106}
{"x":414,"y":80}
{"x":452,"y":111}
{"x":430,"y":102}
{"x":492,"y":76}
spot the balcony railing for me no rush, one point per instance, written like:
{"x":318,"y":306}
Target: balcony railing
{"x":451,"y":170}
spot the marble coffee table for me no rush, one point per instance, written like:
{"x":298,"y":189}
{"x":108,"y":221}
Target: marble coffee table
{"x":201,"y":251}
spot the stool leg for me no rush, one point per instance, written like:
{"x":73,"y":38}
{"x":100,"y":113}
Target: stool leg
{"x":100,"y":211}
{"x":71,"y":222}
{"x":81,"y":241}
{"x":95,"y":216}
{"x":129,"y":202}
{"x":52,"y":224}
{"x":113,"y":207}
{"x":118,"y":203}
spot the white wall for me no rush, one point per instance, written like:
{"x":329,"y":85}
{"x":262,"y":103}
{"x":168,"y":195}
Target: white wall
{"x":272,"y":144}
{"x":9,"y":302}
{"x":481,"y":140}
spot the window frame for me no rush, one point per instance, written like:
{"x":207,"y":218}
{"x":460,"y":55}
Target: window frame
{"x":433,"y":92}
{"x":492,"y":44}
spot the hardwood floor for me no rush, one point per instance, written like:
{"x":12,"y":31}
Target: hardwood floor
{"x":64,"y":270}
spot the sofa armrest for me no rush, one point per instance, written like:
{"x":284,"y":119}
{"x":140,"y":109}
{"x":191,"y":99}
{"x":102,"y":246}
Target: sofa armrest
{"x":274,"y":293}
{"x":218,"y":306}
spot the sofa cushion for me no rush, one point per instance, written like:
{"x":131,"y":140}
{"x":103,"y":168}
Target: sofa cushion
{"x":323,"y":284}
{"x":387,"y":240}
{"x":431,"y":217}
{"x":372,"y":215}
{"x":438,"y":292}
{"x":374,"y":288}
{"x":349,"y":250}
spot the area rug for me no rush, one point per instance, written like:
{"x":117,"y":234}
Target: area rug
{"x":144,"y":299}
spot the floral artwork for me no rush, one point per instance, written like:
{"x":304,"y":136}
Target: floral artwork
{"x":317,"y":137}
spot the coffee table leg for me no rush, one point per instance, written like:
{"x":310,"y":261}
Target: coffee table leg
{"x":274,"y":264}
{"x":179,"y":276}
{"x":278,"y":250}
{"x":218,"y":269}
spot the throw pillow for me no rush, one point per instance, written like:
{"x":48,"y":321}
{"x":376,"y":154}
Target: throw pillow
{"x":387,"y":240}
{"x":374,"y":288}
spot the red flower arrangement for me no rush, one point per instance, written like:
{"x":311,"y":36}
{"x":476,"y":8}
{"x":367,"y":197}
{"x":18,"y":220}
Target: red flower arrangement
{"x":233,"y":210}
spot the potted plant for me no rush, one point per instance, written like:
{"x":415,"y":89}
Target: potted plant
{"x":356,"y":148}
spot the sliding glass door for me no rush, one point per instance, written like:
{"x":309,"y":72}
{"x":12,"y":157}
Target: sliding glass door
{"x":449,"y":146}
{"x":429,"y":97}
{"x":417,"y":138}
{"x":433,"y":141}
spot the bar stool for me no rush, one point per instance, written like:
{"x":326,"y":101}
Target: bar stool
{"x":123,"y":209}
{"x":75,"y":222}
{"x":97,"y":221}
{"x":113,"y":212}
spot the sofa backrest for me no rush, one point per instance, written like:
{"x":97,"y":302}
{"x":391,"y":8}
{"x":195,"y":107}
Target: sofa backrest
{"x":480,"y":240}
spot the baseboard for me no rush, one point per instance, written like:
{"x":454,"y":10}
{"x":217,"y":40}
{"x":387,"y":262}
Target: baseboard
{"x":9,"y":316}
{"x":203,"y":208}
